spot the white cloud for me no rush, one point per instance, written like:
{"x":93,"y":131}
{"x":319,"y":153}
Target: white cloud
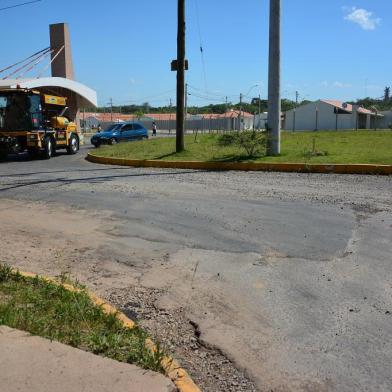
{"x":342,"y":85}
{"x":362,"y":17}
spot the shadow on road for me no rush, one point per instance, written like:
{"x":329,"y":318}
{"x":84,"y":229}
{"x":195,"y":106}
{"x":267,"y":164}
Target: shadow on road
{"x":63,"y":171}
{"x":91,"y":180}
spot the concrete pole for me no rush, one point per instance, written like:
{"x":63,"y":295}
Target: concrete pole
{"x":295,"y":110}
{"x":170,"y":117}
{"x":240,"y":127}
{"x":274,"y":103}
{"x":180,"y":146}
{"x":186,"y":107}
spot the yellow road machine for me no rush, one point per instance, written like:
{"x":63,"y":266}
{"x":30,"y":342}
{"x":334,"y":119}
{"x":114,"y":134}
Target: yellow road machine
{"x":35,"y":122}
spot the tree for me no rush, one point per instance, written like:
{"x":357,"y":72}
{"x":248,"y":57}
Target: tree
{"x":146,"y":107}
{"x":387,"y":94}
{"x":139,"y":114}
{"x":253,"y":142}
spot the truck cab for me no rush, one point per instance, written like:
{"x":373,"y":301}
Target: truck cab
{"x":35,"y":122}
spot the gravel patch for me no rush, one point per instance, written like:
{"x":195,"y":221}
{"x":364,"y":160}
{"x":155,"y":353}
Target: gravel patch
{"x":208,"y":366}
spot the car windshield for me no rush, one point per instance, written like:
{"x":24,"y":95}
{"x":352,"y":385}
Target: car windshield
{"x":113,"y":127}
{"x":14,"y":112}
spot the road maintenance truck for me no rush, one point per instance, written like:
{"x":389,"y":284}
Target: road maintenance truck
{"x":35,"y":122}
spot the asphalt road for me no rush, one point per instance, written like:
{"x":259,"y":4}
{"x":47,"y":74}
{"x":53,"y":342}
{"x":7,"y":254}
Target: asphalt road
{"x":289,"y":275}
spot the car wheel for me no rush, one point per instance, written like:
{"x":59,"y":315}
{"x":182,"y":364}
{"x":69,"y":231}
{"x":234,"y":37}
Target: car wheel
{"x":113,"y":141}
{"x":73,"y":145}
{"x":49,"y":148}
{"x":96,"y":145}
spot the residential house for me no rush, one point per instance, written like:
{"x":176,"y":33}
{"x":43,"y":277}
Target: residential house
{"x":330,"y":115}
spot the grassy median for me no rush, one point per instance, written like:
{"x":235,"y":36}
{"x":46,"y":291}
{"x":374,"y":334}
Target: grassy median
{"x":374,"y":147}
{"x":49,"y":310}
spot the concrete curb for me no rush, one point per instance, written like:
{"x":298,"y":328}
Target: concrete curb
{"x":172,"y":368}
{"x":248,"y":166}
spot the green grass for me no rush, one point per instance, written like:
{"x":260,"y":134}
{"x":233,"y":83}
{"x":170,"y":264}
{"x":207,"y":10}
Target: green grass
{"x":340,"y":147}
{"x":49,"y":310}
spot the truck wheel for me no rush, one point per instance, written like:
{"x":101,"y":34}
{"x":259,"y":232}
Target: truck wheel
{"x":33,"y":153}
{"x":3,"y":154}
{"x":49,"y":148}
{"x":113,"y":141}
{"x":73,"y":145}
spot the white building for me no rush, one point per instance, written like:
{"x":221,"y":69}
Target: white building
{"x":386,"y":121}
{"x":261,"y":120}
{"x":330,"y":115}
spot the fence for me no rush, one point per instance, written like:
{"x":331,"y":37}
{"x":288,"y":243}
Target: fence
{"x":192,"y":125}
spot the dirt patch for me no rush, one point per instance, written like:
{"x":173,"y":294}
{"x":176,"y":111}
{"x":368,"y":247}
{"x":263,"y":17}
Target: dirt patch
{"x":210,"y":368}
{"x":56,"y":240}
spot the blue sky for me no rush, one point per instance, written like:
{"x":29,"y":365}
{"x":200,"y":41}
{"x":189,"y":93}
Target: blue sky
{"x":331,"y":48}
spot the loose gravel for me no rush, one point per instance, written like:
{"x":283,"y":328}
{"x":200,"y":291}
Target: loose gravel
{"x":208,"y":366}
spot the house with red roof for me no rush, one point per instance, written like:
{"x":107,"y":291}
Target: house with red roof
{"x":331,"y":115}
{"x":166,"y":121}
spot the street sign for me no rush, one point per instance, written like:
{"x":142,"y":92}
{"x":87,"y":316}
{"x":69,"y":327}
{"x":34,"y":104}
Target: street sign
{"x":174,"y":65}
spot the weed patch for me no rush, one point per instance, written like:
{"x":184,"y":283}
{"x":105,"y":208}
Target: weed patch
{"x":49,"y":310}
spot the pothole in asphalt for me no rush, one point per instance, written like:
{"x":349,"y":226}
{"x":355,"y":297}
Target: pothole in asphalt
{"x":208,"y":366}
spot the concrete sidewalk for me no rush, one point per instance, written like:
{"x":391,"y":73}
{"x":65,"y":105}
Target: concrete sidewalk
{"x":34,"y":364}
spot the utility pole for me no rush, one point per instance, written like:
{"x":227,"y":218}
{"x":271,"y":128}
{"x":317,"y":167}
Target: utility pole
{"x":258,"y":125}
{"x":295,"y":110}
{"x":226,"y":115}
{"x":180,"y":77}
{"x":274,"y":103}
{"x":170,"y":110}
{"x":240,"y":127}
{"x":186,"y":106}
{"x":111,"y":109}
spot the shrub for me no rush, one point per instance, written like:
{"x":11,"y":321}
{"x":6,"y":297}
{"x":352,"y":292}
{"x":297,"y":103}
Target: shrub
{"x":253,"y":142}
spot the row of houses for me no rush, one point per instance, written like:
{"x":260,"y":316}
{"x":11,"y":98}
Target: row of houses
{"x":232,"y":120}
{"x":328,"y":114}
{"x":318,"y":115}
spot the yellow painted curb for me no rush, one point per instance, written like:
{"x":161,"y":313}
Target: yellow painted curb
{"x":172,"y":368}
{"x":248,"y":166}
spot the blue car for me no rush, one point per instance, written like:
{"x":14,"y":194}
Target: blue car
{"x":117,"y":133}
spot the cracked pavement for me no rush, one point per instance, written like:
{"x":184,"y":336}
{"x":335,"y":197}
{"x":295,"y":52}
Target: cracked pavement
{"x":287,"y":277}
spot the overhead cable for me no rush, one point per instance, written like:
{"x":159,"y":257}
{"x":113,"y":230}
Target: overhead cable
{"x":19,"y":5}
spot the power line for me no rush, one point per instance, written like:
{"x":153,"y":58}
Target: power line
{"x":19,"y":5}
{"x":205,"y":92}
{"x":206,"y":98}
{"x":201,"y":45}
{"x":151,"y":96}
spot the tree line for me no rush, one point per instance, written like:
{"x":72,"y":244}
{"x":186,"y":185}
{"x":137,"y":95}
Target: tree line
{"x":253,"y":107}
